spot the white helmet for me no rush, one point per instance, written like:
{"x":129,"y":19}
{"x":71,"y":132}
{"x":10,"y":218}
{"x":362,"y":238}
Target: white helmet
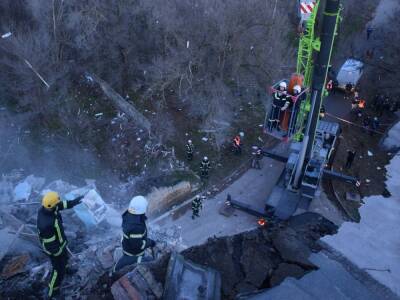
{"x":138,"y":205}
{"x":189,"y":141}
{"x":297,"y":89}
{"x":282,"y":84}
{"x":205,"y":158}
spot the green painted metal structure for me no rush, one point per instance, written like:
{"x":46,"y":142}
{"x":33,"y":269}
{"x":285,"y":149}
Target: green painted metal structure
{"x":308,"y":43}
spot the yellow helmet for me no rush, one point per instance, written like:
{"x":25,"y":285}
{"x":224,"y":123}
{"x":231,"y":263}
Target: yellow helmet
{"x":50,"y":200}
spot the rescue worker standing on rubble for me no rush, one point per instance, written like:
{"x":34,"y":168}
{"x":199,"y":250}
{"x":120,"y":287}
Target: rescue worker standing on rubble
{"x":52,"y":237}
{"x":280,"y":103}
{"x":134,"y":234}
{"x":189,"y":150}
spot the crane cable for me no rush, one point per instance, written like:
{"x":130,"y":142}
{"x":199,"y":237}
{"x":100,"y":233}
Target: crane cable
{"x":352,"y":123}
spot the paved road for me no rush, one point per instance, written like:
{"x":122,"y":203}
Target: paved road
{"x":254,"y":186}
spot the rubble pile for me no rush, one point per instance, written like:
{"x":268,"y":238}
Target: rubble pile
{"x":92,"y":228}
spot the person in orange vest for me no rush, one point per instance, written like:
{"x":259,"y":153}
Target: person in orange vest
{"x":237,"y":144}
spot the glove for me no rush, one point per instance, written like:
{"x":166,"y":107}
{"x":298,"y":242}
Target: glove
{"x":78,"y":200}
{"x":151,"y":243}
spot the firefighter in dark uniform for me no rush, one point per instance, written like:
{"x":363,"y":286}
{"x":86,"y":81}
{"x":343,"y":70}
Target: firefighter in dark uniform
{"x":52,"y":236}
{"x":134,"y":230}
{"x":280,"y":102}
{"x":189,"y":150}
{"x":197,"y":205}
{"x":257,"y":156}
{"x":295,"y":104}
{"x":204,"y":167}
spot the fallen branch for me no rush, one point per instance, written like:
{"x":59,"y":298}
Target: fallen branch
{"x":123,"y":105}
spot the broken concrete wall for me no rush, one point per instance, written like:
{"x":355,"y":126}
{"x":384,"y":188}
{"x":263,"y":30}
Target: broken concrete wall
{"x":163,"y":198}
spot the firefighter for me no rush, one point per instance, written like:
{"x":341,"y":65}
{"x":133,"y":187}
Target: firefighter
{"x":374,"y":125}
{"x":257,"y":156}
{"x":237,"y":145}
{"x":280,"y":103}
{"x":134,"y":234}
{"x":204,"y":167}
{"x":348,"y":91}
{"x":350,"y":158}
{"x":197,"y":205}
{"x":297,"y":98}
{"x":189,"y":150}
{"x":52,"y":237}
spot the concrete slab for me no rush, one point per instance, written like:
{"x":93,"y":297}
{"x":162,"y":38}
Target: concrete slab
{"x":373,"y":244}
{"x":253,"y":185}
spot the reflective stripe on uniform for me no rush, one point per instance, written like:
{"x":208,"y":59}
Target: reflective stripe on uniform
{"x":61,"y":249}
{"x":143,"y":244}
{"x":134,"y":236}
{"x":52,"y":282}
{"x":57,"y":226}
{"x":49,"y":240}
{"x":65,"y":204}
{"x":130,"y":254}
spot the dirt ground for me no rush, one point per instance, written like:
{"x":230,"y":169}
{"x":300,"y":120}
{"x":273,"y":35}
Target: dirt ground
{"x":370,"y":160}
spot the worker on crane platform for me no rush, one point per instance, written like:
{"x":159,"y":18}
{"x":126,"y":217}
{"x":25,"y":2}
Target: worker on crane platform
{"x":280,"y":103}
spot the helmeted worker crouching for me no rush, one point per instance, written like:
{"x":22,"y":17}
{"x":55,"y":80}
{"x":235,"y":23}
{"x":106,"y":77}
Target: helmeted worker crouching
{"x":134,"y":229}
{"x":52,"y":237}
{"x":280,"y":102}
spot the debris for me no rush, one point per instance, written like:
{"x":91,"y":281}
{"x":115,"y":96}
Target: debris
{"x":105,"y":256}
{"x":138,"y":139}
{"x":260,"y":125}
{"x":367,"y":180}
{"x":36,"y":182}
{"x":99,"y":114}
{"x":378,"y":168}
{"x":370,"y":153}
{"x":260,"y":139}
{"x":6,"y":35}
{"x":241,"y":134}
{"x":186,"y":280}
{"x":22,"y":191}
{"x":204,"y":139}
{"x":92,"y":210}
{"x":15,"y":266}
{"x":59,"y":186}
{"x":89,"y":78}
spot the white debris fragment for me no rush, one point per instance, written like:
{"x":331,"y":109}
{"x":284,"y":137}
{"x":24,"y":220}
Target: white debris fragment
{"x":138,"y":139}
{"x":89,"y":78}
{"x":260,"y":125}
{"x":187,"y":44}
{"x":367,"y":180}
{"x":378,"y":168}
{"x":98,"y":114}
{"x":204,"y":139}
{"x":6,"y":35}
{"x":22,"y":191}
{"x":260,"y":139}
{"x":186,"y":134}
{"x":370,"y":153}
{"x":241,"y":134}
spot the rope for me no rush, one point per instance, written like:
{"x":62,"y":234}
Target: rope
{"x":354,"y":124}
